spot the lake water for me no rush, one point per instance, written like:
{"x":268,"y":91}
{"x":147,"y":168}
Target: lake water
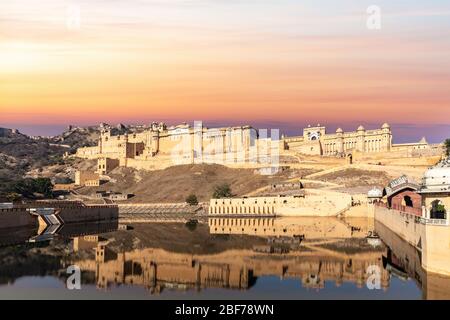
{"x":216,"y":259}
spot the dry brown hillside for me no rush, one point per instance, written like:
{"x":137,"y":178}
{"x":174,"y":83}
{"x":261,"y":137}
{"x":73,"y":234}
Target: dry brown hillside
{"x":174,"y":184}
{"x":356,"y":178}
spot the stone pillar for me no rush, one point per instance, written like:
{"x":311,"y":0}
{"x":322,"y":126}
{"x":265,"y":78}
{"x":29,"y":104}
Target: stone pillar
{"x":340,"y":142}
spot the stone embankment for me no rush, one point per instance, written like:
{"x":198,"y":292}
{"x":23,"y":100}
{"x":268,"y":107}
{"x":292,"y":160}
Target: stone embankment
{"x":154,"y":212}
{"x":28,"y":214}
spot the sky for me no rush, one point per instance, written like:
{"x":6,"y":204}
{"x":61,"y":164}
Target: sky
{"x":263,"y":62}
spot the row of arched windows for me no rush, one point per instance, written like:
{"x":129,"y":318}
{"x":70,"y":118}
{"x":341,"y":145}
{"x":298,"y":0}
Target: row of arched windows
{"x":268,"y":209}
{"x":241,"y":222}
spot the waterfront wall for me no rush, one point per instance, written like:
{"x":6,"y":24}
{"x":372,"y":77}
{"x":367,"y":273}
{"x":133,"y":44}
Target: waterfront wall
{"x":433,"y":240}
{"x":89,"y":213}
{"x":70,"y":213}
{"x":16,"y":217}
{"x":318,"y":203}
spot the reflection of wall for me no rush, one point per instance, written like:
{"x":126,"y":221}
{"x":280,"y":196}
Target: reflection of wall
{"x":84,"y":243}
{"x":404,"y":255}
{"x":432,"y":239}
{"x":310,"y":227}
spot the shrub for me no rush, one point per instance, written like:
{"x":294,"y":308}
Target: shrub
{"x":27,"y":187}
{"x":222,"y":191}
{"x":192,"y":200}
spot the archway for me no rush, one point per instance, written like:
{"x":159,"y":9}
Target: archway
{"x":408,"y":201}
{"x":350,"y":158}
{"x":437,"y":210}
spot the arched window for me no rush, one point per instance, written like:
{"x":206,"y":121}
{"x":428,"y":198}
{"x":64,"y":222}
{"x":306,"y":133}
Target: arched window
{"x":437,"y":210}
{"x":408,"y":201}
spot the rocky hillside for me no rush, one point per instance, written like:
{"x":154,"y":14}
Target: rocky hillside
{"x":76,"y":137}
{"x":22,"y":155}
{"x":174,"y":184}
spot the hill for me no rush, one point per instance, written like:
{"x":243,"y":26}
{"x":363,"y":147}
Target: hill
{"x":174,"y":184}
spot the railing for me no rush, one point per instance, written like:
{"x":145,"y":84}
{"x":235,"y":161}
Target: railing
{"x":440,"y":222}
{"x":414,"y":214}
{"x":411,"y":210}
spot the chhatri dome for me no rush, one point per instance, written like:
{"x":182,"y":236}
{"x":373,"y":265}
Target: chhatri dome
{"x":385,"y":126}
{"x":361,"y":128}
{"x":339,"y":130}
{"x":375,"y":193}
{"x":437,"y":178}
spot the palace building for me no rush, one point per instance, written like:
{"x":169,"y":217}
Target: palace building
{"x":159,"y":146}
{"x":316,"y":141}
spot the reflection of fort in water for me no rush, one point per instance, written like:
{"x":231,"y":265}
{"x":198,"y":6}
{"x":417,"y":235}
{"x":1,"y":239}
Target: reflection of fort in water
{"x":171,"y":256}
{"x":237,"y":269}
{"x":339,"y":257}
{"x":312,"y":262}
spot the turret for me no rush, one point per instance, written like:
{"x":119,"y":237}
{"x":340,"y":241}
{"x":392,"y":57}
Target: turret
{"x":361,"y":138}
{"x":387,"y":136}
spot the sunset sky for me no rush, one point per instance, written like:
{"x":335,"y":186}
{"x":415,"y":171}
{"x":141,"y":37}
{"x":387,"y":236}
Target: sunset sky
{"x":264,"y":61}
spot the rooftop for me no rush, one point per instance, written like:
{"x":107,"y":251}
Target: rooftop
{"x":437,"y":178}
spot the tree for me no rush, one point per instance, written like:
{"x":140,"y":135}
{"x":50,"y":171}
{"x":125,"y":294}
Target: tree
{"x":43,"y":186}
{"x":447,"y":147}
{"x":27,"y":187}
{"x":192,"y":200}
{"x":222,"y":191}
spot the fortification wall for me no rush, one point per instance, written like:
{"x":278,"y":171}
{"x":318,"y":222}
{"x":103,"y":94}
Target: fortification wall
{"x":314,"y":203}
{"x":89,"y":213}
{"x":88,"y":152}
{"x":16,"y":217}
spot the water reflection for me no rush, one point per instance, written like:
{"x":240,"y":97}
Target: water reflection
{"x":405,"y":261}
{"x":241,"y":257}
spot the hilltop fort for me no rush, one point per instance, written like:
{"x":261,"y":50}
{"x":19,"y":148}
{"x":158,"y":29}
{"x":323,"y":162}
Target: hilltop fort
{"x":159,"y":146}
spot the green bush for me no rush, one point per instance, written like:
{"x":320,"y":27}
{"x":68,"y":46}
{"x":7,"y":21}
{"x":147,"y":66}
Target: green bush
{"x":222,"y":191}
{"x":192,"y":200}
{"x":27,"y":187}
